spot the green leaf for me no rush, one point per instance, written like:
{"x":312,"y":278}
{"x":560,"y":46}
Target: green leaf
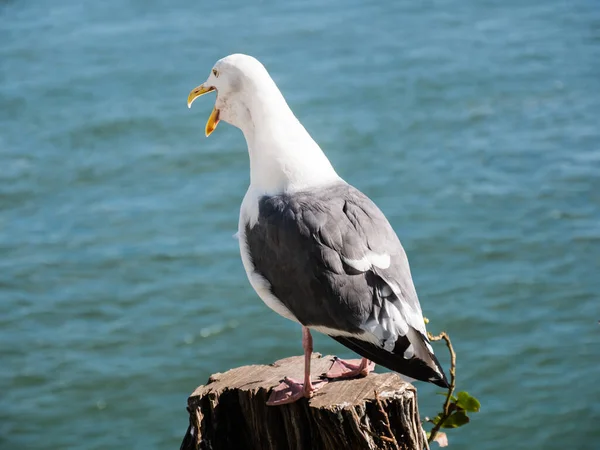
{"x":436,"y":419}
{"x":458,"y":419}
{"x":445,"y":394}
{"x":467,"y":402}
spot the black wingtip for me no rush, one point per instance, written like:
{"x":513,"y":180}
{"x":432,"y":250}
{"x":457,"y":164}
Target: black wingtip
{"x":441,"y":382}
{"x":439,"y":379}
{"x":430,"y":371}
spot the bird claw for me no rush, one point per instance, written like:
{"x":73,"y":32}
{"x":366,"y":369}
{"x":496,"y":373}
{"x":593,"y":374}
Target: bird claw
{"x":347,"y":369}
{"x":290,"y":391}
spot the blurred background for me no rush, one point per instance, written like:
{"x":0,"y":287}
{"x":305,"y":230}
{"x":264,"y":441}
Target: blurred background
{"x":475,"y":126}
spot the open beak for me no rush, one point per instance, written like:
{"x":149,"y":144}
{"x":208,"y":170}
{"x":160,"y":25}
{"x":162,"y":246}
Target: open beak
{"x":213,"y":119}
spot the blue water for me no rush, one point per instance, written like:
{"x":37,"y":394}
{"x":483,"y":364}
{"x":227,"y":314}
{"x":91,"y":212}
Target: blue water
{"x":475,"y":126}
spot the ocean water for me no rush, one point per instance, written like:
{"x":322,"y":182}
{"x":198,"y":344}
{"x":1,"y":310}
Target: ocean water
{"x":475,"y":126}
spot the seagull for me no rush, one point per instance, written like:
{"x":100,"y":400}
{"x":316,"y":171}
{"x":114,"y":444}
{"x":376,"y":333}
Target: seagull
{"x":315,"y":249}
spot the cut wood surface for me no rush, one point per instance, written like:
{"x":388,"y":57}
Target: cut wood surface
{"x":230,"y":412}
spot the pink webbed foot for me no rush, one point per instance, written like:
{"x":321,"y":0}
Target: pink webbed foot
{"x":290,"y":391}
{"x":351,"y":368}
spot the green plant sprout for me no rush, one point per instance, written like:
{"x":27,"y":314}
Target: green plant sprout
{"x":455,"y":409}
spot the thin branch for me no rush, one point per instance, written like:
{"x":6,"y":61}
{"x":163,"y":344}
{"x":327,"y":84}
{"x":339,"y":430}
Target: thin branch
{"x":387,"y":419}
{"x":366,"y":429}
{"x":375,"y":435}
{"x":446,"y":412}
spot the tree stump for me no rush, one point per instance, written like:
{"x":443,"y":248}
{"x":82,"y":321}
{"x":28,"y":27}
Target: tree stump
{"x":230,"y":412}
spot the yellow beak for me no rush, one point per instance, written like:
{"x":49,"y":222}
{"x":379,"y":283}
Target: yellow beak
{"x":213,"y":119}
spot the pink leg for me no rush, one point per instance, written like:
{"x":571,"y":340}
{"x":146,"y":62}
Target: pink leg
{"x":351,"y":368}
{"x":291,"y":390}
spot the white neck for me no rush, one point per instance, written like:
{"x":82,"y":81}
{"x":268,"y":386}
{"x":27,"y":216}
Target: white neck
{"x":283,"y":156}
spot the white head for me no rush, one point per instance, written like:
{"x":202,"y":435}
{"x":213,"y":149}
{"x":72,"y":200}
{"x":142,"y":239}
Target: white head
{"x":244,"y":89}
{"x":283,"y":156}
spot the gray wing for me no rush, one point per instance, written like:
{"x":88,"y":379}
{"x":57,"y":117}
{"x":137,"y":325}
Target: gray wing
{"x":332,"y":258}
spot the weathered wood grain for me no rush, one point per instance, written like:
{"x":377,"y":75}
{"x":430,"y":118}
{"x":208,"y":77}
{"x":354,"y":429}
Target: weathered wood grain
{"x":229,"y":412}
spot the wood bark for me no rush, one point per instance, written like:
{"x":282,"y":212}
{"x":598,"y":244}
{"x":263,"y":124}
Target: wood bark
{"x":376,"y":412}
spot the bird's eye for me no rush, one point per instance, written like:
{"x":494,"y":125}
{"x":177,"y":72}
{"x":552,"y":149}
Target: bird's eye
{"x":216,"y":73}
